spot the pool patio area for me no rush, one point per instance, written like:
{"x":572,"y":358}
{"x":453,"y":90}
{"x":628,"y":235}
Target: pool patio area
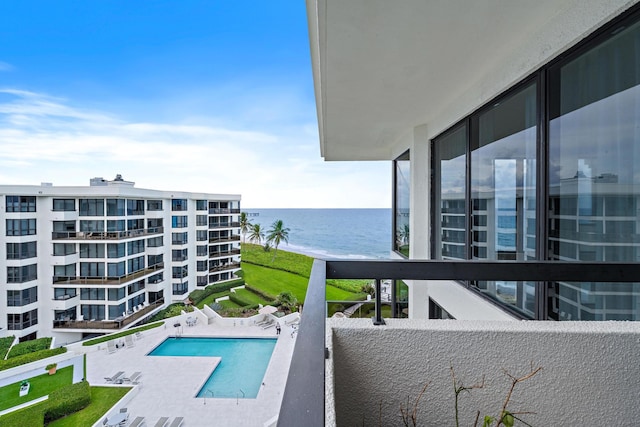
{"x":169,"y":384}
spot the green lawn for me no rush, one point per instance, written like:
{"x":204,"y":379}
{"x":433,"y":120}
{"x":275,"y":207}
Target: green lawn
{"x":212,"y":298}
{"x":41,"y":385}
{"x":102,"y":398}
{"x":229,"y":304}
{"x":253,"y":297}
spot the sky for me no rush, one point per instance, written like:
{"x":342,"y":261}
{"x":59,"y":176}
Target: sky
{"x":206,"y":96}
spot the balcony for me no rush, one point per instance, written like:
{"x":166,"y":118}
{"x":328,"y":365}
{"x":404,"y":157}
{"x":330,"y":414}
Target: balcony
{"x":216,"y":254}
{"x":225,"y":239}
{"x":225,"y":267}
{"x":105,"y":235}
{"x":217,"y":225}
{"x":360,"y":372}
{"x":106,"y":280}
{"x":109,"y":324}
{"x":65,"y":302}
{"x":223,"y":211}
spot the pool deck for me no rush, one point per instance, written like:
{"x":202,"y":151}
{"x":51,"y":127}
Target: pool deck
{"x":169,"y":384}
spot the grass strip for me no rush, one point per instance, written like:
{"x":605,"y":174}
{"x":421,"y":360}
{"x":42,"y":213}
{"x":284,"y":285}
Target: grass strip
{"x":42,"y":385}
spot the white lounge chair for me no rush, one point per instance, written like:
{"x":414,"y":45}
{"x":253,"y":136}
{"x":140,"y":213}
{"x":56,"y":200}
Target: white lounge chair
{"x":177,"y":422}
{"x":115,"y":377}
{"x":133,"y":378}
{"x":269,"y":324}
{"x":128,"y":341}
{"x":111,"y":347}
{"x":137,"y":422}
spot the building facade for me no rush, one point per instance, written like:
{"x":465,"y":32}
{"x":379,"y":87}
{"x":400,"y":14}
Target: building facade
{"x":513,"y":130}
{"x":80,"y":261}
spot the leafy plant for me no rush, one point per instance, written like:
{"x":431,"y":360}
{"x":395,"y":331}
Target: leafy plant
{"x":50,"y":366}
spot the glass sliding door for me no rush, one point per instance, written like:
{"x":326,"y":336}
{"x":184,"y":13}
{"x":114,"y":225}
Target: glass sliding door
{"x":503,"y":191}
{"x":594,"y":172}
{"x":401,"y":206}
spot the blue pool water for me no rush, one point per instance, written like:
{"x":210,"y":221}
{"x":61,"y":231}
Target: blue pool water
{"x":241,"y":369}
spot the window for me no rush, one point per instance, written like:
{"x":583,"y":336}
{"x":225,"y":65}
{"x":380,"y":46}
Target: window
{"x":21,"y":203}
{"x":202,"y":250}
{"x":180,"y":272}
{"x":155,"y":242}
{"x":202,"y":280}
{"x":64,"y":204}
{"x":92,"y":311}
{"x":201,"y":235}
{"x":179,"y":288}
{"x":64,"y":293}
{"x":136,"y":287}
{"x":179,"y":204}
{"x":116,"y":295}
{"x":178,"y":238}
{"x":202,"y":266}
{"x":153,"y":260}
{"x":22,"y":321}
{"x":135,"y":207}
{"x":179,"y":255}
{"x":116,"y":311}
{"x":115,"y":207}
{"x":92,"y":226}
{"x":154,"y":223}
{"x":92,"y":269}
{"x":116,"y":250}
{"x":22,"y":250}
{"x":22,"y":274}
{"x":91,"y":250}
{"x":23,"y":297}
{"x":154,"y":205}
{"x":91,"y":207}
{"x":201,"y":205}
{"x":202,"y":220}
{"x":21,"y":227}
{"x":92,"y":294}
{"x":179,"y":221}
{"x":135,"y":264}
{"x":136,"y":301}
{"x":115,"y":225}
{"x":135,"y":247}
{"x":135,"y":224}
{"x":64,"y":226}
{"x":401,"y":207}
{"x":63,"y":249}
{"x":116,"y":269}
{"x":68,"y":270}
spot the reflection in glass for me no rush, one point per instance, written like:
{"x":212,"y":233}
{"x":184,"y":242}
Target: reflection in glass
{"x":503,"y":186}
{"x":594,"y":174}
{"x":401,"y":203}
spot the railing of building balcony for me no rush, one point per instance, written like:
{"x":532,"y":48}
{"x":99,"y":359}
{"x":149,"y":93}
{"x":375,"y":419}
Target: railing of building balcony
{"x":104,"y":235}
{"x":225,"y":239}
{"x":304,"y":392}
{"x":217,"y":211}
{"x":224,"y":253}
{"x":224,"y":267}
{"x":214,"y":225}
{"x":106,"y":280}
{"x":118,"y":323}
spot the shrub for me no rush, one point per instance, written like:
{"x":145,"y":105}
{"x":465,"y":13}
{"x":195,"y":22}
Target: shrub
{"x":122,"y":334}
{"x":5,"y":343}
{"x":30,"y":347}
{"x":242,"y":301}
{"x":260,"y":292}
{"x":67,"y":400}
{"x":199,"y":295}
{"x":30,"y":357}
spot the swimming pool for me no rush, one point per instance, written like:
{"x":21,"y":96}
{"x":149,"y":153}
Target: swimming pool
{"x":241,"y":369}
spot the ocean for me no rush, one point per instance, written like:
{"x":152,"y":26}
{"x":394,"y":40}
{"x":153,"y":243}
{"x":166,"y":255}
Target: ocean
{"x":331,"y":233}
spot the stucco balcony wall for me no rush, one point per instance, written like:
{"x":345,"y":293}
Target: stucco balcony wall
{"x":590,"y":373}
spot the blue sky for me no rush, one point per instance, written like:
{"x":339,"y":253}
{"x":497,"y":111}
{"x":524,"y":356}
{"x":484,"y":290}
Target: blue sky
{"x":213,"y":96}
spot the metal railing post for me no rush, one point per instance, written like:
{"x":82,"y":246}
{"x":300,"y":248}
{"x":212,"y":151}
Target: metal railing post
{"x":378,"y":320}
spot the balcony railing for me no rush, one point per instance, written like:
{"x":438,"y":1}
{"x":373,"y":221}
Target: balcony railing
{"x":109,"y":324}
{"x":225,"y":239}
{"x":215,"y":225}
{"x":305,"y":389}
{"x":224,"y":253}
{"x":105,"y":235}
{"x":105,"y":280}
{"x":224,"y":267}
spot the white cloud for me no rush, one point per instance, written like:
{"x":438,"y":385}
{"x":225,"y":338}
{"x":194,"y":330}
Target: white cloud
{"x":45,"y":139}
{"x":5,"y":66}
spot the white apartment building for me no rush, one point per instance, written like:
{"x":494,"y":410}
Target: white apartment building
{"x":80,"y":261}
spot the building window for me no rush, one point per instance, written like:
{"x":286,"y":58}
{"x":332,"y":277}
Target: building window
{"x":179,"y":204}
{"x":116,"y":269}
{"x":401,"y":205}
{"x":116,"y":250}
{"x":153,"y":260}
{"x":202,"y":281}
{"x":202,"y":220}
{"x":68,"y":205}
{"x":135,"y":264}
{"x":23,"y":297}
{"x":135,"y":247}
{"x":180,"y":272}
{"x":115,"y":225}
{"x":155,"y":242}
{"x":154,"y":205}
{"x":202,"y":250}
{"x":64,"y":293}
{"x":92,"y":269}
{"x":179,"y":221}
{"x":135,"y":207}
{"x":135,"y":287}
{"x":179,"y":255}
{"x":179,"y":238}
{"x":91,"y":250}
{"x":21,"y":227}
{"x":135,"y":224}
{"x":68,"y":270}
{"x":202,"y":235}
{"x":92,"y":294}
{"x":21,"y":203}
{"x":22,"y":321}
{"x":115,"y":207}
{"x":63,"y":249}
{"x":92,"y":311}
{"x":91,"y":207}
{"x":117,"y":311}
{"x":92,"y":226}
{"x":154,"y":224}
{"x":180,"y":288}
{"x":22,"y":250}
{"x":202,"y":265}
{"x":64,"y":227}
{"x":201,"y":205}
{"x":117,"y":294}
{"x":23,"y":274}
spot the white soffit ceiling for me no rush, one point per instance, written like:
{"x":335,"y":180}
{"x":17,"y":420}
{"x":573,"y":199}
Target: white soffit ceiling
{"x":383,"y":67}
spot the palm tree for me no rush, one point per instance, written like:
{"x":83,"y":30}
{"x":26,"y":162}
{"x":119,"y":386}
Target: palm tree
{"x":256,"y":234}
{"x":245,"y":224}
{"x":277,"y":234}
{"x":287,"y":301}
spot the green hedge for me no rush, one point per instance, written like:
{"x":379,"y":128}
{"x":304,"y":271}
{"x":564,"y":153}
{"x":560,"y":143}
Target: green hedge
{"x":30,"y":347}
{"x":5,"y":343}
{"x":122,"y":334}
{"x":244,"y":303}
{"x":199,"y":295}
{"x":172,"y":310}
{"x":67,"y":400}
{"x":30,"y":357}
{"x":260,"y":292}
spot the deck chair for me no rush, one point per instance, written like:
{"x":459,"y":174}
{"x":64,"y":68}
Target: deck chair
{"x":268,"y":325}
{"x":137,"y":422}
{"x":177,"y":422}
{"x":128,"y":341}
{"x":111,"y":347}
{"x":162,"y":422}
{"x":115,"y":377}
{"x":134,"y":378}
